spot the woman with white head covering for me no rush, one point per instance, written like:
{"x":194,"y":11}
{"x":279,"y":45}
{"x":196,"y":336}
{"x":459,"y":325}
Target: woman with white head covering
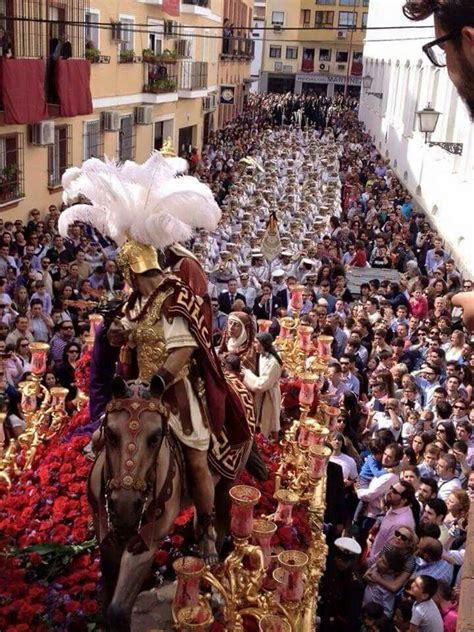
{"x":265,"y":383}
{"x":239,"y":338}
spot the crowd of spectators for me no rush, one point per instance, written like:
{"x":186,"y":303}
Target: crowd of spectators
{"x":401,"y":366}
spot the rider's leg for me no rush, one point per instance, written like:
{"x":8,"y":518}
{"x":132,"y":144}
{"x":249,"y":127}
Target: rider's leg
{"x":203,"y":496}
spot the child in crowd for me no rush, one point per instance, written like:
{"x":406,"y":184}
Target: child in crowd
{"x":388,"y":565}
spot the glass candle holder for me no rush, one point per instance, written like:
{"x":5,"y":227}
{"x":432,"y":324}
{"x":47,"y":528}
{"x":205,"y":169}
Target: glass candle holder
{"x":306,"y":428}
{"x":244,"y":498}
{"x":273,"y":623}
{"x":189,"y":571}
{"x":306,"y":396}
{"x":318,"y":458}
{"x":287,"y":325}
{"x":263,"y":325}
{"x":296,"y":300}
{"x":278,"y":576}
{"x":58,"y":397}
{"x":293,"y":564}
{"x":286,"y":500}
{"x":28,"y":396}
{"x":95,"y":320}
{"x":262,"y":533}
{"x":318,"y":435}
{"x":304,"y":337}
{"x":332,"y":414}
{"x":39,"y":354}
{"x":324,"y":348}
{"x":195,"y":619}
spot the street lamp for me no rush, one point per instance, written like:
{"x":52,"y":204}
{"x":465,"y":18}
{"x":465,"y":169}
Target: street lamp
{"x":367,"y":83}
{"x":428,"y":119}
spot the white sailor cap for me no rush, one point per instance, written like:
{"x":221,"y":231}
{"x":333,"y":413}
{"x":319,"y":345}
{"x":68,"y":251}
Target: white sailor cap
{"x":286,"y":253}
{"x":278,"y":273}
{"x":348,"y":545}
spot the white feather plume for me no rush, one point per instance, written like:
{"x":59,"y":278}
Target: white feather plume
{"x":145,"y":201}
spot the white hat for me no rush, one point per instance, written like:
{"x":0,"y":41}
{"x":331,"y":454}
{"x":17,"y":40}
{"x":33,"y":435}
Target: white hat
{"x":286,"y":253}
{"x":348,"y":545}
{"x":308,"y":262}
{"x":278,"y":273}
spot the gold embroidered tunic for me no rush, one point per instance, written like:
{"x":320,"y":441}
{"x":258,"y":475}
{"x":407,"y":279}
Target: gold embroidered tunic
{"x":155,"y":337}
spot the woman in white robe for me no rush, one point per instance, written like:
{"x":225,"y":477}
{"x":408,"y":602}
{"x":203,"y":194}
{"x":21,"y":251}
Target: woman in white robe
{"x":266,"y":386}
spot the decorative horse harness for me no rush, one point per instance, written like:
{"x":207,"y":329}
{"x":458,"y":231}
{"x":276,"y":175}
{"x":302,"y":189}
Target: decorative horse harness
{"x":127,"y":480}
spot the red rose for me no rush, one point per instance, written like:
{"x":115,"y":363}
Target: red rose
{"x":161,"y":557}
{"x":177,"y":541}
{"x":35,"y":558}
{"x":90,"y":607}
{"x":72,"y":606}
{"x":285,"y":535}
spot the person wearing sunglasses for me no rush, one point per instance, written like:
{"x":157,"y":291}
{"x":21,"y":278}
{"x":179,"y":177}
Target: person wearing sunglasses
{"x":64,"y":335}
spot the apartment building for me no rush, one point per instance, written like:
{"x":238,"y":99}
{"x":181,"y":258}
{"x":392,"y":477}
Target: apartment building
{"x":258,"y":36}
{"x":314,"y":45}
{"x":96,"y":78}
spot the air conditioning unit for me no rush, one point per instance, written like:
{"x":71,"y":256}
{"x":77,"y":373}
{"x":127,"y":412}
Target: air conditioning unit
{"x":170,"y":28}
{"x":117,"y":31}
{"x":111,"y":121}
{"x":341,"y":66}
{"x":183,"y":47}
{"x":324,"y":67}
{"x":341,"y":34}
{"x":42,"y":133}
{"x":144,"y":115}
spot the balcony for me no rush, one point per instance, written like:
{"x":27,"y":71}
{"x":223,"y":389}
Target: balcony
{"x":198,"y":3}
{"x":237,"y":48}
{"x":161,"y":78}
{"x":192,"y":76}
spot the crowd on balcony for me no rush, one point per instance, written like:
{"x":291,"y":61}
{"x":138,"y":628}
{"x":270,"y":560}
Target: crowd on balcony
{"x":402,"y":446}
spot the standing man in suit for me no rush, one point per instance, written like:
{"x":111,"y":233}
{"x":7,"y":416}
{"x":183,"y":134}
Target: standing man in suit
{"x":113,"y":282}
{"x":227,"y":297}
{"x":266,"y":304}
{"x":280,"y":291}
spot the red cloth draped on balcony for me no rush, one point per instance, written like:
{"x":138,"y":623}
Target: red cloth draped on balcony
{"x":171,"y":7}
{"x":23,"y":96}
{"x":73,"y":86}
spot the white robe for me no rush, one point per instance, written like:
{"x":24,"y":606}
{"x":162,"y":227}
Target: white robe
{"x":266,"y":387}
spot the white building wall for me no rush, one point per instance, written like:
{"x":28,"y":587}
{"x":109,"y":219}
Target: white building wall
{"x":441,"y":184}
{"x":258,"y":36}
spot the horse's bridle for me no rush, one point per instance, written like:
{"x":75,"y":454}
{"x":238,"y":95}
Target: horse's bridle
{"x":135,"y":409}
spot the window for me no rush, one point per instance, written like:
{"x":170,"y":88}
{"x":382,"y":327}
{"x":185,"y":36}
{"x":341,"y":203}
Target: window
{"x":342,"y":56}
{"x":292,"y":52}
{"x":59,"y":155}
{"x":278,"y":17}
{"x":347,"y":18}
{"x":323,"y":19}
{"x":365,"y":3}
{"x":364,"y":20}
{"x":126,"y":138}
{"x":92,"y":28}
{"x":325,"y":1}
{"x":158,"y":136}
{"x":11,"y":167}
{"x":349,"y":3}
{"x":306,"y":18}
{"x":127,"y":34}
{"x":155,"y":36}
{"x":325,"y":54}
{"x":275,"y":52}
{"x":93,"y":140}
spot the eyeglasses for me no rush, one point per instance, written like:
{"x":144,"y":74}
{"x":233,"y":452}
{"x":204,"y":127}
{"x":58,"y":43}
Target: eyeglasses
{"x":459,"y":407}
{"x":73,"y":351}
{"x":403,"y":537}
{"x":25,"y":344}
{"x":441,"y":430}
{"x":66,"y":328}
{"x":394,"y":490}
{"x":435,"y":52}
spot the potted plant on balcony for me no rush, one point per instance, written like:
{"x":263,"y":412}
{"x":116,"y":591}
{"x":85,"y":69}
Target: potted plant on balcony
{"x":160,"y":86}
{"x":93,"y":55}
{"x":127,"y":56}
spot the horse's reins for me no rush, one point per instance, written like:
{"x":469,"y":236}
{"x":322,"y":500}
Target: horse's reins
{"x":127,"y":480}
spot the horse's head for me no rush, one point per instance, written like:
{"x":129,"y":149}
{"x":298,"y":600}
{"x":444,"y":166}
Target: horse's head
{"x":134,"y":429}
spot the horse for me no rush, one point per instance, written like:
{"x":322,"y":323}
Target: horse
{"x":136,"y":489}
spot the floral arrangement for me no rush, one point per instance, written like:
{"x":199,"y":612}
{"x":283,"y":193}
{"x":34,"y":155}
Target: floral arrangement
{"x":50,"y":561}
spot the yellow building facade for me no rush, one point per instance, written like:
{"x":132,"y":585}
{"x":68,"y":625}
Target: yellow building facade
{"x":314,"y":45}
{"x":153,"y":76}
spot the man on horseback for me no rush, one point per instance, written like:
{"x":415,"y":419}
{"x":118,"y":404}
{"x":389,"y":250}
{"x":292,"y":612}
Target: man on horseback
{"x":167,"y":359}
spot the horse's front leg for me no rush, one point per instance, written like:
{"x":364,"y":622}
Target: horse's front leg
{"x":134,"y":569}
